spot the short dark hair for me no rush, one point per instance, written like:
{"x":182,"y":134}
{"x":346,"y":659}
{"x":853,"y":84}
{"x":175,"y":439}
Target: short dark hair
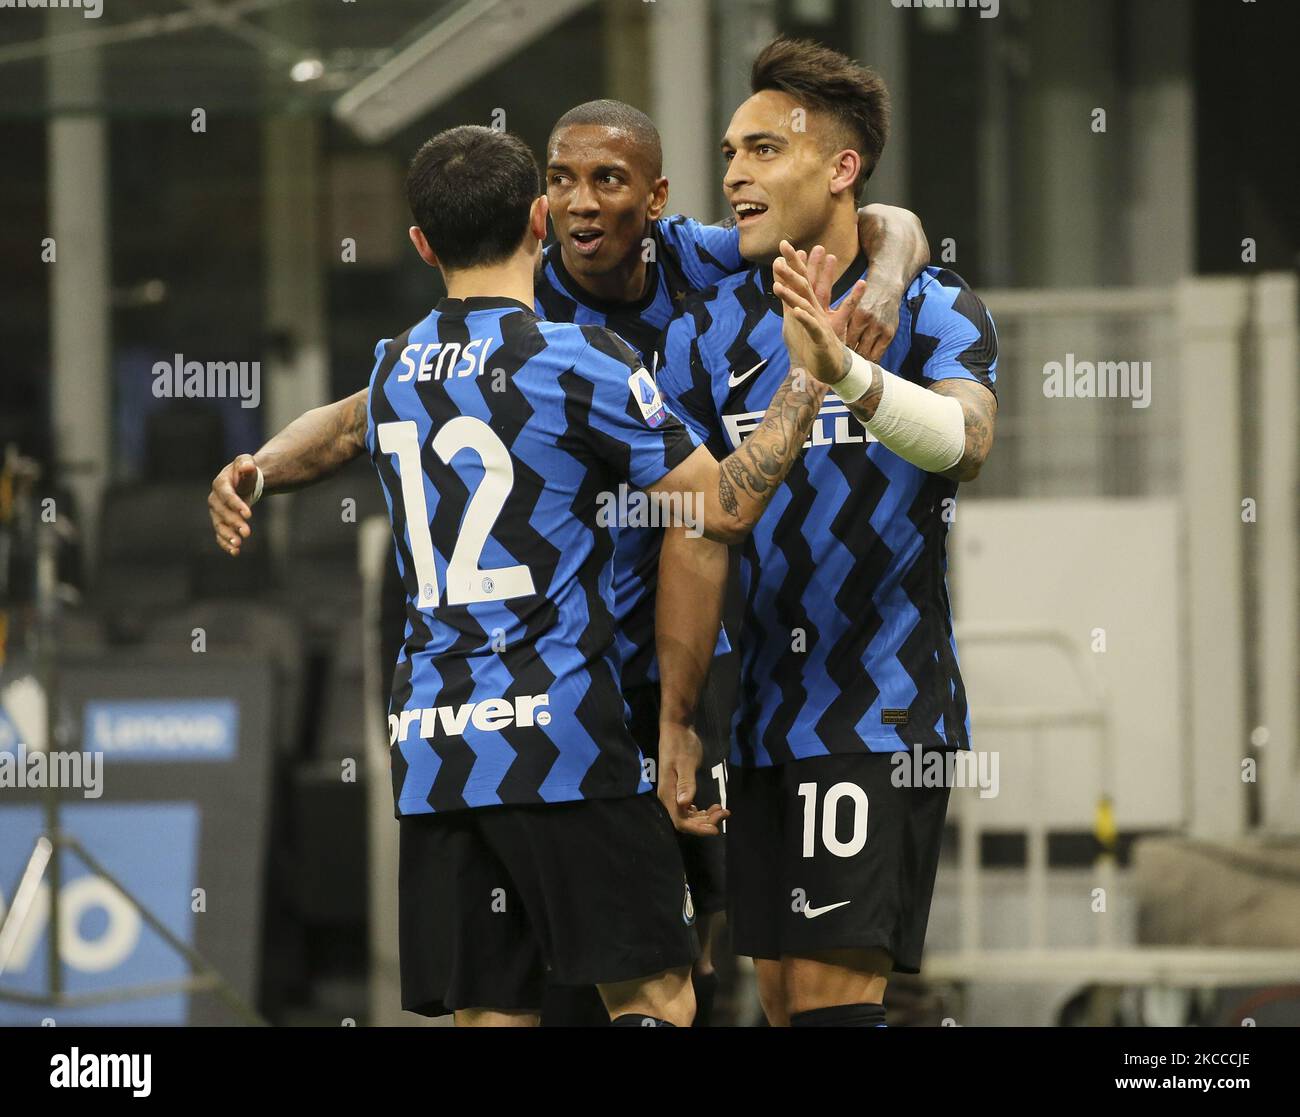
{"x":470,"y":190}
{"x":623,"y":117}
{"x":854,"y":96}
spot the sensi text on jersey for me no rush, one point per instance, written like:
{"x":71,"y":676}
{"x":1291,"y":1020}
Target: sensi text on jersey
{"x":439,"y":361}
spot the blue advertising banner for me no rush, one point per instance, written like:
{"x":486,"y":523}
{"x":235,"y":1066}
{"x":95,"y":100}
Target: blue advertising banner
{"x":163,"y":730}
{"x":164,"y":773}
{"x":106,"y":944}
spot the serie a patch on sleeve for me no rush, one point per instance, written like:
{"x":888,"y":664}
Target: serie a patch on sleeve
{"x":646,"y":393}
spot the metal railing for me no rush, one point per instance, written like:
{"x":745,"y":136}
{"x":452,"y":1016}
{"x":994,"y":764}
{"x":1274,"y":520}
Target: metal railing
{"x":1093,"y":713}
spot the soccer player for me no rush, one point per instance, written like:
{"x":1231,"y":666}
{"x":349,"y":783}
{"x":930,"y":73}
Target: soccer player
{"x":530,"y":842}
{"x":847,"y":655}
{"x":617,"y":262}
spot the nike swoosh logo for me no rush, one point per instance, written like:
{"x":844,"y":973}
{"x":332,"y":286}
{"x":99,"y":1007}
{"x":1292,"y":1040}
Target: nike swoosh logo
{"x":733,"y":380}
{"x":810,"y":912}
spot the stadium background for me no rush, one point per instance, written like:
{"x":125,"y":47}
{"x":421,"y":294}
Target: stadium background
{"x":222,"y":181}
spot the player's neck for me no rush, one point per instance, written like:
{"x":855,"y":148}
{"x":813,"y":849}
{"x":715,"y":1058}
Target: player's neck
{"x":840,"y":238}
{"x":625,"y":283}
{"x":511,"y":279}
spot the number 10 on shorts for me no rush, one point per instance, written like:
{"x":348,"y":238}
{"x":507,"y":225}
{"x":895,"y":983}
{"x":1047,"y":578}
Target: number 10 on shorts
{"x":830,"y":814}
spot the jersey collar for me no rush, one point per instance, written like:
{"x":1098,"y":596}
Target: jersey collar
{"x":843,"y":285}
{"x":479,"y":302}
{"x":555,"y":258}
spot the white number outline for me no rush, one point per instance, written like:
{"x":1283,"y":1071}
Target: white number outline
{"x":466,"y":581}
{"x":719,"y":773}
{"x":830,"y":805}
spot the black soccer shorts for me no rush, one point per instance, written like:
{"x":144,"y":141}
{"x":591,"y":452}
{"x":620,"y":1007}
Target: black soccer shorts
{"x":495,"y":901}
{"x":826,"y":854}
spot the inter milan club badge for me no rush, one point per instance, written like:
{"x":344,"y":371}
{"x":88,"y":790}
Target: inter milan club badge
{"x":688,"y":908}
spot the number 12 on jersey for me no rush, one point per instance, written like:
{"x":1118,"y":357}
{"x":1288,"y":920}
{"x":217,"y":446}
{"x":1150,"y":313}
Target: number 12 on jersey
{"x":466,"y":582}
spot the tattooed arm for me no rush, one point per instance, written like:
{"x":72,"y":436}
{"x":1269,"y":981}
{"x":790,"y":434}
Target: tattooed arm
{"x":971,"y":423}
{"x":895,"y":244}
{"x":735,"y":492}
{"x":309,"y":449}
{"x":979,"y":409}
{"x":315,"y":444}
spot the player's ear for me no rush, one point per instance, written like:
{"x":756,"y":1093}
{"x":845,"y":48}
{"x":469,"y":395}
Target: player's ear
{"x":537,"y":217}
{"x":844,"y":173}
{"x":422,"y":246}
{"x":658,"y":198}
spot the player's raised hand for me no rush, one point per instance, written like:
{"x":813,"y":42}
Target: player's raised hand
{"x":798,"y":341}
{"x":228,"y":503}
{"x":680,"y":754}
{"x":813,"y":333}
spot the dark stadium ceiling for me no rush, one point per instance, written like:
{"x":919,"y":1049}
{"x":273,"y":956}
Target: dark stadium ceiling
{"x":159,"y":57}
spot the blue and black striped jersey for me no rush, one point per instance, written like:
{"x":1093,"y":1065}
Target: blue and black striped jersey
{"x":687,"y":257}
{"x":847,"y":639}
{"x":495,"y":434}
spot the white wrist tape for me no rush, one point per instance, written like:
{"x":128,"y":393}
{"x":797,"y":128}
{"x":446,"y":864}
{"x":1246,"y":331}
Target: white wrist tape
{"x":257,"y":487}
{"x":856,"y":381}
{"x":920,"y":426}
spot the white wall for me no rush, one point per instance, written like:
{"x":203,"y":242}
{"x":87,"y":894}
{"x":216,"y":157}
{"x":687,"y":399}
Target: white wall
{"x":1079,"y":565}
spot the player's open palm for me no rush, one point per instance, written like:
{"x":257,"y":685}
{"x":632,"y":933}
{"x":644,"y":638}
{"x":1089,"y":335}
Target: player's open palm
{"x":680,"y":753}
{"x":812,"y":331}
{"x":228,"y":503}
